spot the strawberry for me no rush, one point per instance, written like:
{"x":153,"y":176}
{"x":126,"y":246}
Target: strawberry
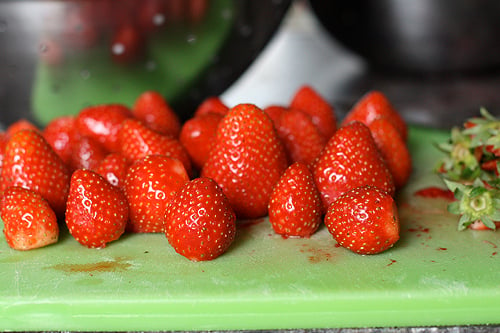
{"x":212,"y":104}
{"x":97,"y":212}
{"x":127,"y":44}
{"x":350,"y":159}
{"x":274,"y":112}
{"x":199,"y":221}
{"x":19,"y":125}
{"x":103,"y":123}
{"x":114,"y":168}
{"x":247,"y":160}
{"x":198,"y":136}
{"x":60,"y":134}
{"x":138,"y":141}
{"x":87,"y":153}
{"x":31,"y":163}
{"x":393,"y":149}
{"x":3,"y":145}
{"x":373,"y":105}
{"x":197,"y":10}
{"x":322,"y":113}
{"x":151,"y":15}
{"x":295,"y":206}
{"x":29,"y":221}
{"x":153,"y":110}
{"x":302,"y":140}
{"x":150,"y":184}
{"x":364,"y":220}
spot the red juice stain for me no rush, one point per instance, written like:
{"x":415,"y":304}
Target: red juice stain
{"x":419,"y":229}
{"x":492,"y":244}
{"x":441,"y":249}
{"x":435,"y":192}
{"x":392,"y":262}
{"x":494,"y":253}
{"x":316,"y":255}
{"x":118,"y":264}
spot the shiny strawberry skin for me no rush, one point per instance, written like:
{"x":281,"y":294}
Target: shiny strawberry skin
{"x":87,"y":153}
{"x":138,"y":141}
{"x":30,"y":162}
{"x":295,"y":208}
{"x":350,"y":159}
{"x":308,"y":100}
{"x":198,"y":136}
{"x":60,"y":134}
{"x":275,"y":112}
{"x":200,"y":223}
{"x":3,"y":145}
{"x":373,"y":105}
{"x":114,"y":168}
{"x":19,"y":125}
{"x":302,"y":139}
{"x":247,"y":160}
{"x":364,"y":220}
{"x":150,"y":184}
{"x":103,"y":123}
{"x":393,"y":149}
{"x":96,"y":212}
{"x":212,"y":104}
{"x":29,"y":221}
{"x":153,"y":110}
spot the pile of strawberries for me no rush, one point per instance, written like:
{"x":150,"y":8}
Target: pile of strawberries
{"x":112,"y":169}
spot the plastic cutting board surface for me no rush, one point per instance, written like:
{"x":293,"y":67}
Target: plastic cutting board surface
{"x":435,"y":275}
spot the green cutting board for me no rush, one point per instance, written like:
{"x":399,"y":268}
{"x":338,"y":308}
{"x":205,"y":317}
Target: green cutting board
{"x":435,"y":275}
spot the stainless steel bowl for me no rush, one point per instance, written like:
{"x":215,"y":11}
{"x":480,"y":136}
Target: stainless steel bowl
{"x":417,"y":35}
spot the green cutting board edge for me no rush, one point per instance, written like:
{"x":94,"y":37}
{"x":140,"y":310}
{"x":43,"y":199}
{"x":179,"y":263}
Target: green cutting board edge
{"x":434,"y":275}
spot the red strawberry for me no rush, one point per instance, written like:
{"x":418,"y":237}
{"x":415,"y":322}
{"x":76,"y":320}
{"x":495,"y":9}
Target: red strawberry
{"x":31,"y":163}
{"x":29,"y":221}
{"x":274,"y":112}
{"x":200,"y":223}
{"x":151,"y":15}
{"x":364,"y":220}
{"x":212,"y":104}
{"x":375,"y":104}
{"x":87,"y":153}
{"x":114,"y":168}
{"x":196,"y":10}
{"x":21,"y":124}
{"x":60,"y":134}
{"x":295,"y":207}
{"x":138,"y":141}
{"x":153,"y":110}
{"x":322,"y":113}
{"x":3,"y":145}
{"x":103,"y":123}
{"x":302,"y":140}
{"x":393,"y":150}
{"x":198,"y":136}
{"x":127,"y":44}
{"x":350,"y":159}
{"x":149,"y":185}
{"x":247,"y":160}
{"x":97,"y":212}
